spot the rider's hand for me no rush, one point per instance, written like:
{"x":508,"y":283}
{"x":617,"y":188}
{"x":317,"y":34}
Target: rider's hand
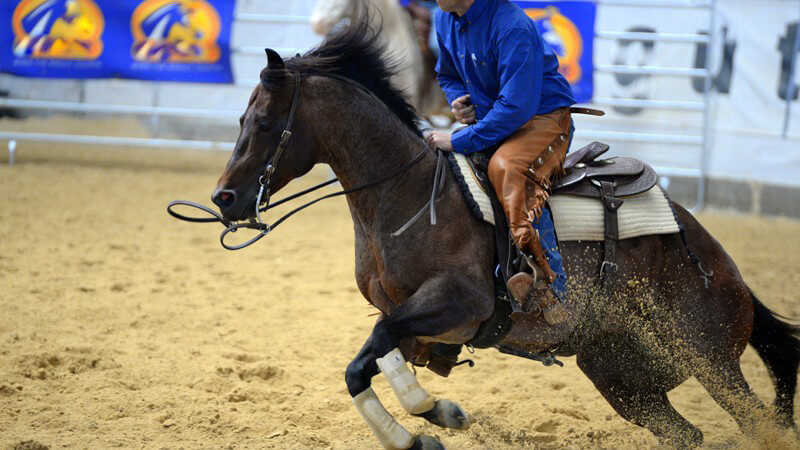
{"x":440,"y":140}
{"x":463,"y":109}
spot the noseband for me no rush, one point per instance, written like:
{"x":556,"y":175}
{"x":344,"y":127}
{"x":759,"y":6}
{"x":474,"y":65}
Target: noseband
{"x":264,"y":194}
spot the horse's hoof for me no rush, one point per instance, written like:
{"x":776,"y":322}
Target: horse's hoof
{"x":423,"y":442}
{"x":447,"y":414}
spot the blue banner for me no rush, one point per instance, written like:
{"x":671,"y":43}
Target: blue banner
{"x":170,"y":40}
{"x":569,"y":29}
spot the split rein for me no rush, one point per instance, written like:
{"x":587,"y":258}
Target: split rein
{"x":262,"y":203}
{"x":265,"y":228}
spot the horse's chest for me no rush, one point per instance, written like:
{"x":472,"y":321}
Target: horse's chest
{"x":382,"y":286}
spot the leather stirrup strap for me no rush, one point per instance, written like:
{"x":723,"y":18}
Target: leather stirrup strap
{"x":608,"y":269}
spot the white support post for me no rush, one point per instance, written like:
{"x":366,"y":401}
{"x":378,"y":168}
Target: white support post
{"x":708,"y":86}
{"x":12,"y":152}
{"x":790,"y":85}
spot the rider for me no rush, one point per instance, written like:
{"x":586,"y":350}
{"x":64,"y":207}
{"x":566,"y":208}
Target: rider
{"x":502,"y":79}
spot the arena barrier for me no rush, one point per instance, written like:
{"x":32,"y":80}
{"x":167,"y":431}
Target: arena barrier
{"x":700,"y":141}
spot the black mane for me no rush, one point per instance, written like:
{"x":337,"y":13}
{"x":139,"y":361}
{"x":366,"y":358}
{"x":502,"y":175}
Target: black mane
{"x":354,"y":53}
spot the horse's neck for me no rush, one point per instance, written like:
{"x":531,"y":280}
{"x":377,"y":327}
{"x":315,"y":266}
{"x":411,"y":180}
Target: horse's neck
{"x":368,"y":146}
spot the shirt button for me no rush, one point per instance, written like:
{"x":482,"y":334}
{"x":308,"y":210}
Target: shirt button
{"x":461,"y":55}
{"x":467,"y":81}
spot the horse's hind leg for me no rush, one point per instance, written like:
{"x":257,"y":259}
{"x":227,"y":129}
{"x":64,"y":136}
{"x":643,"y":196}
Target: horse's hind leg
{"x":626,"y":389}
{"x":728,"y":387}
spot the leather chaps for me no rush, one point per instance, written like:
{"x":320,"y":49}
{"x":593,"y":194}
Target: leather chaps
{"x":522,"y":172}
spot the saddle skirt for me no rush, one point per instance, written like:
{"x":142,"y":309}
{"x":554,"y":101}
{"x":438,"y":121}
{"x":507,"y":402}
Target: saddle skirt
{"x":578,"y":217}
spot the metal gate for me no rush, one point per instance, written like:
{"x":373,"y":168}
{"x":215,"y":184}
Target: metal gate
{"x":702,"y":108}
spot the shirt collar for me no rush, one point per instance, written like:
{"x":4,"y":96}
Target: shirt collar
{"x":473,"y":13}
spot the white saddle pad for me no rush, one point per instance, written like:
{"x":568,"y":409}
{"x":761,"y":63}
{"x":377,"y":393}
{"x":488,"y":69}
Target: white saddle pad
{"x":580,"y":218}
{"x":476,"y":197}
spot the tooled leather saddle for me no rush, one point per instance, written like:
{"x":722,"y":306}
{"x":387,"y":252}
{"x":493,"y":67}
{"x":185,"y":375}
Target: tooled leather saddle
{"x":608,"y":180}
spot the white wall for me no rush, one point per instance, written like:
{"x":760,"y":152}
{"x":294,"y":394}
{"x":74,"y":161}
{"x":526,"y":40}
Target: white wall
{"x":746,"y":111}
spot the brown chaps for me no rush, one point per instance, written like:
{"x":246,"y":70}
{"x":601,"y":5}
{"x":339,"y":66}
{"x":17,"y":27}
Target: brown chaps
{"x":521,"y":172}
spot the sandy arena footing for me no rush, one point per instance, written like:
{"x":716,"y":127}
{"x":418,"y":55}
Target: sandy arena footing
{"x":122,"y":327}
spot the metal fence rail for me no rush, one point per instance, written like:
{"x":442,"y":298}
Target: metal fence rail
{"x":48,"y":105}
{"x":14,"y":136}
{"x":702,"y":140}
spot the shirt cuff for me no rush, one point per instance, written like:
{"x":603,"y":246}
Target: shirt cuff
{"x":461,"y":141}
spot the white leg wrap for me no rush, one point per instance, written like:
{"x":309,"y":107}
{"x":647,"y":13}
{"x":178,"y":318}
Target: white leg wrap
{"x":391,"y":434}
{"x":412,"y":396}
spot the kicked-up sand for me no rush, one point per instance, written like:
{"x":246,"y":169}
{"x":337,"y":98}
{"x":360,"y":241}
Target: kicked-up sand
{"x":122,"y":327}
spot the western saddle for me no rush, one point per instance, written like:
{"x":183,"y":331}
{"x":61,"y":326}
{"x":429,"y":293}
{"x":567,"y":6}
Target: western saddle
{"x":608,"y":180}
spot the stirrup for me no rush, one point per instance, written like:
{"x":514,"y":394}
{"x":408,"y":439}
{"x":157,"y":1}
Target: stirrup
{"x":525,"y":288}
{"x":522,"y":287}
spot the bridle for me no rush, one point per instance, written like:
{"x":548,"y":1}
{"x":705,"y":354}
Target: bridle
{"x":264,"y":195}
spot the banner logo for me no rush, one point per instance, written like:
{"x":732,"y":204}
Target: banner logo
{"x":183,"y":31}
{"x":564,"y":38}
{"x":57,"y":29}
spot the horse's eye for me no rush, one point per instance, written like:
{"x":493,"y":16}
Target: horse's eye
{"x":263,"y":126}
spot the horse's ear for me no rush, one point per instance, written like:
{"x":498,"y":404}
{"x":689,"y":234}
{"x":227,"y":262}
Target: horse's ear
{"x":274,"y":60}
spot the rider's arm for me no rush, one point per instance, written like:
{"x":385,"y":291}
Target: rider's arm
{"x":447,"y":75}
{"x":520,"y":59}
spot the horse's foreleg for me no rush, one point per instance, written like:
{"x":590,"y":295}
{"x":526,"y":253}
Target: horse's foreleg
{"x":431,"y":311}
{"x":359,"y":372}
{"x":415,"y":399}
{"x":386,"y":429}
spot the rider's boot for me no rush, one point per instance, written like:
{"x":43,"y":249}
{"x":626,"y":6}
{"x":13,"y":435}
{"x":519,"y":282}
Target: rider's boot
{"x":521,"y":171}
{"x":534,"y":295}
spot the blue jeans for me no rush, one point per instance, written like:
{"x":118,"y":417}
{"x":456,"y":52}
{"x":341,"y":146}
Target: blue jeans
{"x":547,"y":237}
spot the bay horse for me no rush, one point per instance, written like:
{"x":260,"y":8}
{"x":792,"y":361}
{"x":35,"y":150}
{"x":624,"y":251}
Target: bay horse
{"x":406,"y":40}
{"x":634,"y":340}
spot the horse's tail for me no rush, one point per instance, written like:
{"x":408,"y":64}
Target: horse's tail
{"x":778,"y":344}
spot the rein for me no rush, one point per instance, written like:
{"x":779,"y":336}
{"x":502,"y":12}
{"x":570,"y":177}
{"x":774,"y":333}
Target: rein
{"x":264,"y":195}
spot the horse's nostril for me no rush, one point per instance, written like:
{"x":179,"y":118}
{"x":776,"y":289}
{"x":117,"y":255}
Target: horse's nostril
{"x":224,"y":199}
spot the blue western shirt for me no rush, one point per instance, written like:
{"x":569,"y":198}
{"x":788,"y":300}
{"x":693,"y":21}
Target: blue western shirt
{"x":495,"y":54}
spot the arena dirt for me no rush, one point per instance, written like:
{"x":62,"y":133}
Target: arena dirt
{"x":122,"y":327}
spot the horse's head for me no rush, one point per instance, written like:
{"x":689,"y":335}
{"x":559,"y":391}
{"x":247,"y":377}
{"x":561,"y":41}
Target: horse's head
{"x":261,"y":128}
{"x":327,"y":13}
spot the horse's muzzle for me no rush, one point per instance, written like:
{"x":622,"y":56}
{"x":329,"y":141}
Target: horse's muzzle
{"x":229,"y":205}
